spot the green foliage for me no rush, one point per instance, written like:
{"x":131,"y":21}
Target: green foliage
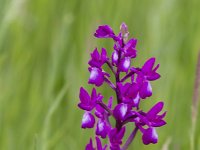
{"x":44,"y":48}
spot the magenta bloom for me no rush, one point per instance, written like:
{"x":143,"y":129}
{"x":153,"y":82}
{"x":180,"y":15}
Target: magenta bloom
{"x":130,"y":48}
{"x":98,"y":60}
{"x":131,"y":84}
{"x":148,"y":71}
{"x":88,"y":102}
{"x":104,"y":31}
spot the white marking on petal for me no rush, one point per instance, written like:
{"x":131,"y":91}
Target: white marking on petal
{"x":100,"y":126}
{"x":137,"y":119}
{"x":123,"y":110}
{"x":93,"y":74}
{"x":149,"y":88}
{"x":154,"y":133}
{"x":86,"y":118}
{"x":115,"y":56}
{"x":136,"y":100}
{"x":126,"y":63}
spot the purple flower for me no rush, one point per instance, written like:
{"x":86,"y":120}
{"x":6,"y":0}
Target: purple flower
{"x":96,"y":76}
{"x":88,"y":120}
{"x":154,"y":119}
{"x":129,"y":48}
{"x":104,"y":31}
{"x":144,"y":75}
{"x":149,"y":72}
{"x":130,"y":94}
{"x":88,"y":102}
{"x":98,"y":60}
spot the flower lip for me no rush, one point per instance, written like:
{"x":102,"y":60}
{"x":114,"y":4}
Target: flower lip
{"x":145,"y":90}
{"x":124,"y":64}
{"x":150,"y":136}
{"x":88,"y":120}
{"x":96,"y":76}
{"x":102,"y":129}
{"x":120,"y":111}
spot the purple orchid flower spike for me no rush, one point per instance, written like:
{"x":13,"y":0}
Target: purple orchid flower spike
{"x":130,"y":91}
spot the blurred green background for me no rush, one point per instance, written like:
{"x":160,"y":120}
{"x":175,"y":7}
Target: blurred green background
{"x":44,"y":49}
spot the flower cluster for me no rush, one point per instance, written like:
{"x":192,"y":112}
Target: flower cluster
{"x":130,"y":89}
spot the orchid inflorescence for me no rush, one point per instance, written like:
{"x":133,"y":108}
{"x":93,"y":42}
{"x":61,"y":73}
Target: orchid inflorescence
{"x":129,"y":94}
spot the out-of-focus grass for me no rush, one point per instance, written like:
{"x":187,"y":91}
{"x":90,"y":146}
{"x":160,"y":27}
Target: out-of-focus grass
{"x":44,"y":48}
